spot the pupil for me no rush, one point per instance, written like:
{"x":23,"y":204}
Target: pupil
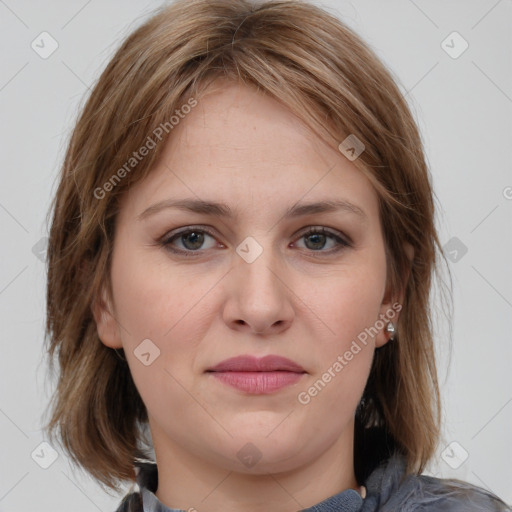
{"x":318,"y":240}
{"x":195,"y":238}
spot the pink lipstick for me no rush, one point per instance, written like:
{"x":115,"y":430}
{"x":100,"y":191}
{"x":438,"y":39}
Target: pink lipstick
{"x":258,"y":375}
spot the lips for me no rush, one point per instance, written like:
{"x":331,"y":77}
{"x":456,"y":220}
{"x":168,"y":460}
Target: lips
{"x":257,"y":376}
{"x":270,"y":363}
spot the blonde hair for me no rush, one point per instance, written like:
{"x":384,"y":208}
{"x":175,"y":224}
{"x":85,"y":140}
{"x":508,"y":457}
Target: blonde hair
{"x":322,"y":71}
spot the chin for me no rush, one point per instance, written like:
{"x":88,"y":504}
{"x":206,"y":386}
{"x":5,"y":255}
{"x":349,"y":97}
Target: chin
{"x":264,"y":450}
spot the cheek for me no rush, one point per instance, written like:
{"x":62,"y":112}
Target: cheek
{"x":342,"y":365}
{"x":153,"y":299}
{"x":346,"y":307}
{"x":151,"y":304}
{"x":345,"y":304}
{"x":172,"y":308}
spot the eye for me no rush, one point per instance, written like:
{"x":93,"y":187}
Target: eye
{"x":191,"y":239}
{"x":317,"y":237}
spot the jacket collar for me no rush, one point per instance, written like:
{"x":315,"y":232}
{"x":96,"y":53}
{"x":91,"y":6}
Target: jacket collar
{"x":147,"y":480}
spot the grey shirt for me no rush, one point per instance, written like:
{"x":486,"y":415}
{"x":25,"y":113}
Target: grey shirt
{"x":387,"y":490}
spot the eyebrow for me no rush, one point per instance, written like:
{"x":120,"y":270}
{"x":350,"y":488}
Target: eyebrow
{"x":222,"y":210}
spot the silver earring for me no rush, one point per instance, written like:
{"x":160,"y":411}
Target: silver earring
{"x":390,"y":329}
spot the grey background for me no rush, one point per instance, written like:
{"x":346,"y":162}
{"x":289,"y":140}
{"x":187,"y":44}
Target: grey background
{"x":463,"y":106}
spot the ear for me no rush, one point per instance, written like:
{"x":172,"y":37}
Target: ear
{"x":106,"y":323}
{"x":392,"y":305}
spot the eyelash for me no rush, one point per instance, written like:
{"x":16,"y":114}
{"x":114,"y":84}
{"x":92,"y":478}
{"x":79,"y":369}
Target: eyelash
{"x":167,"y":240}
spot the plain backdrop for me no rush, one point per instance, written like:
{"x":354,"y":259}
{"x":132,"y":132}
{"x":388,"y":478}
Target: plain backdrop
{"x":459,"y":87}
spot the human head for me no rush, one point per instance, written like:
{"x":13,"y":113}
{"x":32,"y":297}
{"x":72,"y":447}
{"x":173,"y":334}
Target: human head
{"x":323,"y":73}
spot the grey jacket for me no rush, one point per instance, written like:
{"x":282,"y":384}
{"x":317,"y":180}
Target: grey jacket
{"x":386,"y":491}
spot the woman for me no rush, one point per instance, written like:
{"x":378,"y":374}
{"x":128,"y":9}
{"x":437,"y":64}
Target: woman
{"x":240,"y":264}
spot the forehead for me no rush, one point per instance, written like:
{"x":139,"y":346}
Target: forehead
{"x":241,"y":147}
{"x":234,"y":121}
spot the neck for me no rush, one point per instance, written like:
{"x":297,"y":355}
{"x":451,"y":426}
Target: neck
{"x":186,"y":481}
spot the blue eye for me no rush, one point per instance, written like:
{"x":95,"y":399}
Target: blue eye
{"x":319,"y":236}
{"x":192,"y":241}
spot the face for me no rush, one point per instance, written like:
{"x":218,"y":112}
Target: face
{"x":257,"y":276}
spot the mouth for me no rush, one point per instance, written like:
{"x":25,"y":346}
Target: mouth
{"x":247,"y":363}
{"x":257,"y":375}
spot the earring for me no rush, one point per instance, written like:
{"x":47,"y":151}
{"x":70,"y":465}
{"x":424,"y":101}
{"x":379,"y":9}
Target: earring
{"x":390,"y":328}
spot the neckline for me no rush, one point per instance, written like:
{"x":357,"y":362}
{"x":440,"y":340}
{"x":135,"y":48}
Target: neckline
{"x":349,"y":500}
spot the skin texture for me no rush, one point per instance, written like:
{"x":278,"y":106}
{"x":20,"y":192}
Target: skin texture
{"x":298,"y":299}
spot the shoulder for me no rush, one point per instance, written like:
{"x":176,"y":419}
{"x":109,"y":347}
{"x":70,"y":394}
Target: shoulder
{"x":458,"y":495}
{"x":131,"y":503}
{"x":389,"y":490}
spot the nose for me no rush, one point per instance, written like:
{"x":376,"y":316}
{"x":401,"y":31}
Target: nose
{"x":259,"y":300}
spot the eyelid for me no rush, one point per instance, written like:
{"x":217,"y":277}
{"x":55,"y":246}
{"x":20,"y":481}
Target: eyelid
{"x":170,"y":235}
{"x":326,"y":231}
{"x":341,"y":238}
